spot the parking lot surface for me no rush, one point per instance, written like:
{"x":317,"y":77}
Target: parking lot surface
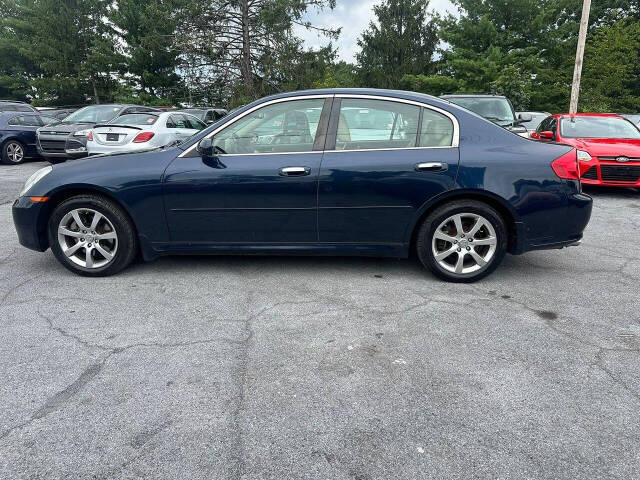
{"x":328,"y":368}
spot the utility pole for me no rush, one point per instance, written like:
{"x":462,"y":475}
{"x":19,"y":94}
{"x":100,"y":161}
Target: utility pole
{"x":577,"y":71}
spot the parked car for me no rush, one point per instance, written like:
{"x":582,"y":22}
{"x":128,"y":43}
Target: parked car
{"x":68,"y":139}
{"x":442,"y":182}
{"x":141,"y":131}
{"x":608,"y":146}
{"x":59,"y":113}
{"x":16,"y":106}
{"x":207,"y":115}
{"x":495,"y":108}
{"x":18,"y":135}
{"x":536,"y":118}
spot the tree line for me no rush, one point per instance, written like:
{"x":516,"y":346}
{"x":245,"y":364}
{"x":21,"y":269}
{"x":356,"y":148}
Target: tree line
{"x":229,"y":52}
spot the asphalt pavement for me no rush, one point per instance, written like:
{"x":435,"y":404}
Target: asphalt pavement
{"x":323,"y":368}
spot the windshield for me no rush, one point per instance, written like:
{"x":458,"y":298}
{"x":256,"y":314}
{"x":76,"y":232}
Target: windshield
{"x":598,"y":127}
{"x":93,"y":114}
{"x":135,"y":119}
{"x":497,"y":110}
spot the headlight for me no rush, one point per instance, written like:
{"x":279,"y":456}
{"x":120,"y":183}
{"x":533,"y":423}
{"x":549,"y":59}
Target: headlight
{"x":584,"y":156}
{"x":82,"y":133}
{"x":35,"y":178}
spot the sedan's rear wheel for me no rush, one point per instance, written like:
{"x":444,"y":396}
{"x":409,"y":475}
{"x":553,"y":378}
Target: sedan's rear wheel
{"x":91,"y":236}
{"x":462,"y":241}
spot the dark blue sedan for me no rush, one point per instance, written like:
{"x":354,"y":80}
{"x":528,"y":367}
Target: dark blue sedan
{"x":18,"y":135}
{"x":325,"y":172}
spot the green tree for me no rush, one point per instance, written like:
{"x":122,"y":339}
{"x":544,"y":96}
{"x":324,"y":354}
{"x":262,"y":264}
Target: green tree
{"x":149,"y":53}
{"x":402,"y":42}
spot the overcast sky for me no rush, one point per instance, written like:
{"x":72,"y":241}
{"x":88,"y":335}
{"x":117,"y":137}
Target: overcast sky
{"x":354,"y":17}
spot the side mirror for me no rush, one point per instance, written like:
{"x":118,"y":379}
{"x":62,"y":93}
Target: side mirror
{"x":546,"y":135}
{"x":206,"y":148}
{"x":525,"y":117}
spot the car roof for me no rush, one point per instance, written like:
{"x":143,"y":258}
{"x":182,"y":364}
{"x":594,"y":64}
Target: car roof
{"x":400,"y":94}
{"x":601,"y":115}
{"x":471,"y":95}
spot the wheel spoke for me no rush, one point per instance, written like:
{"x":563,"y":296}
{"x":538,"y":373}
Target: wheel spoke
{"x":73,"y":249}
{"x":460,"y":262}
{"x":69,"y":233}
{"x":103,"y":252}
{"x":96,"y":219}
{"x":76,"y":217}
{"x":88,"y":258}
{"x":477,"y":226}
{"x":443,"y":236}
{"x":457,"y":220}
{"x":442,"y":255}
{"x":484,"y":241}
{"x":476,"y":256}
{"x":107,"y":236}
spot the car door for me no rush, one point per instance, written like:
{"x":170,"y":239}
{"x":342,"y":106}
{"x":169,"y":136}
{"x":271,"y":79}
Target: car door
{"x":25,"y":127}
{"x":262,"y":187}
{"x":384,"y":159}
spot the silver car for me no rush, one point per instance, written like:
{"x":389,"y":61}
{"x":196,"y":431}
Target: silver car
{"x":141,"y":131}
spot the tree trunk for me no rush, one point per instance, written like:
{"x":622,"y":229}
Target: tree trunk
{"x":245,"y":60}
{"x":95,"y":90}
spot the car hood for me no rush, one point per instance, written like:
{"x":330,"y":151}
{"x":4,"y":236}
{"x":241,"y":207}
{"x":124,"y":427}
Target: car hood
{"x":65,"y":127}
{"x":609,"y":147}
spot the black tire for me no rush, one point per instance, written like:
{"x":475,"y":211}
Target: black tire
{"x":441,"y":214}
{"x":7,"y":155}
{"x":127,"y":245}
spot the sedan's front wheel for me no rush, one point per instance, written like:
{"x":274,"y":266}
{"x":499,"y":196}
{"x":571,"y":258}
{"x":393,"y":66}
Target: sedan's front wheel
{"x":462,"y":241}
{"x":92,"y":236}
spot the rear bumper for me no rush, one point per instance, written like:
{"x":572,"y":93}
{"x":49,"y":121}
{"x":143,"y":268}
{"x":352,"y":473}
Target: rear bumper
{"x":568,"y":226}
{"x":98,"y":149}
{"x":25,"y":218}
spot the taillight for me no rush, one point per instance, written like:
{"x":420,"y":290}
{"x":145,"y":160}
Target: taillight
{"x":90,"y":137}
{"x":143,"y":137}
{"x":566,"y":166}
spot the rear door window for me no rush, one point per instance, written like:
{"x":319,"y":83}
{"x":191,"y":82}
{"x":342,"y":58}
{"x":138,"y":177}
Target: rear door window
{"x":376,"y":124}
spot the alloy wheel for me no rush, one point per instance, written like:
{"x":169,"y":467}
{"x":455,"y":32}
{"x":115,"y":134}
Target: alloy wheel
{"x":464,"y":243}
{"x":87,"y":238}
{"x":15,"y":152}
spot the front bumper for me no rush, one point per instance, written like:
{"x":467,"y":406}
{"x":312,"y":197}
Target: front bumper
{"x":610,"y":174}
{"x":27,"y":219}
{"x":63,"y":148}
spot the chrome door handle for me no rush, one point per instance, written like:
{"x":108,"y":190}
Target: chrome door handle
{"x":295,"y":171}
{"x":431,"y":167}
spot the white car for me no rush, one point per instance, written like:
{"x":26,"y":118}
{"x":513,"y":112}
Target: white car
{"x":141,"y":131}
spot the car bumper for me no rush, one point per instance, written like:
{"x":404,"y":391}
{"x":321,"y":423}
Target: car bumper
{"x":62,"y":148}
{"x":613,"y":174}
{"x":31,"y":232}
{"x":572,"y":219}
{"x":99,"y":149}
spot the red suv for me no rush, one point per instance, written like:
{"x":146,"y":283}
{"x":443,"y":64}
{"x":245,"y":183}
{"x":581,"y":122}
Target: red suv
{"x":608,"y":146}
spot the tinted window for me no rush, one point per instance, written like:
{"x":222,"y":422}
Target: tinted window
{"x":374,"y":124}
{"x":193,"y":123}
{"x":280,"y":127}
{"x":545,"y":125}
{"x":598,"y":127}
{"x":15,"y":121}
{"x":135,"y":119}
{"x":94,"y":114}
{"x":177,"y":121}
{"x":437,"y":129}
{"x":30,"y":120}
{"x":23,"y":108}
{"x":209,"y":117}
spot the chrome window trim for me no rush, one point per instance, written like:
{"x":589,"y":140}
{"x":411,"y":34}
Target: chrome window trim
{"x":271,"y":102}
{"x":455,"y":142}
